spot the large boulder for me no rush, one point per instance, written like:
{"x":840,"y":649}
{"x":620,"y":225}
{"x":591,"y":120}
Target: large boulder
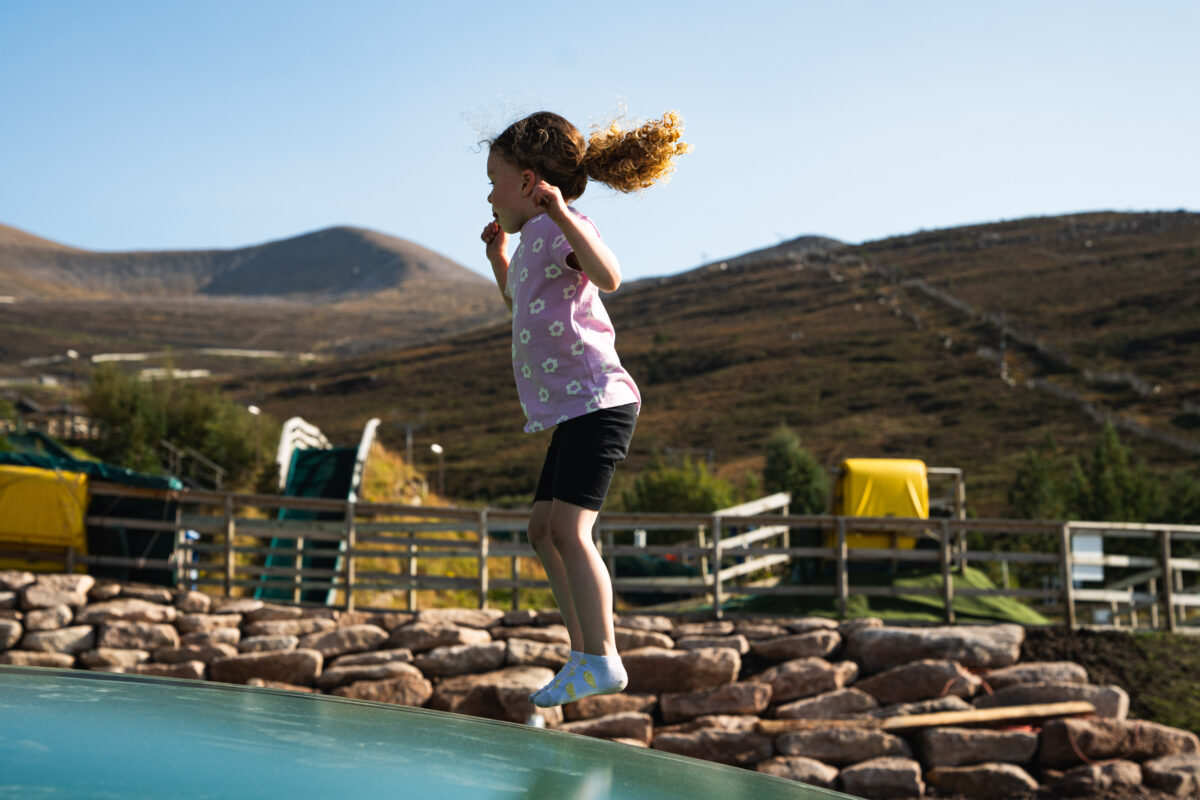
{"x":481,"y":618}
{"x":289,"y":627}
{"x":13,"y":580}
{"x":373,"y":657}
{"x":72,"y":640}
{"x":801,"y":769}
{"x":1109,"y":701}
{"x":633,"y":639}
{"x":203,"y":623}
{"x":462,"y":659}
{"x":333,"y":677}
{"x":884,"y":777}
{"x":1036,"y":672}
{"x":1099,"y":779}
{"x":300,"y":667}
{"x":1067,"y":742}
{"x":829,"y":705}
{"x":48,"y":619}
{"x":205,"y":655}
{"x":264,"y":644}
{"x":806,"y":677}
{"x":30,"y":658}
{"x":601,"y":705}
{"x":842,"y":745}
{"x":633,"y":725}
{"x":57,"y":590}
{"x":973,"y":646}
{"x":920,"y":680}
{"x":404,"y":686}
{"x":138,"y":635}
{"x":653,"y":670}
{"x":127,"y":609}
{"x":537,"y":654}
{"x":11,"y":632}
{"x":814,"y":644}
{"x":1178,"y":775}
{"x":992,"y":781}
{"x":351,"y":639}
{"x":421,"y":636}
{"x":724,"y":746}
{"x":956,"y":747}
{"x":113,"y":657}
{"x":733,"y":698}
{"x":503,"y":694}
{"x":551,"y":634}
{"x":734,"y":642}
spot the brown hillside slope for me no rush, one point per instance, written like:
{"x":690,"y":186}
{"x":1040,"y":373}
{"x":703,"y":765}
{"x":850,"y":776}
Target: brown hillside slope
{"x":821,"y":341}
{"x":323,"y":266}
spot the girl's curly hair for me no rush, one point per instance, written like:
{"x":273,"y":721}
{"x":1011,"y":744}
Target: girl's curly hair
{"x":626,"y":160}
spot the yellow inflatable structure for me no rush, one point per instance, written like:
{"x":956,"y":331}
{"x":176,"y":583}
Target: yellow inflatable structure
{"x":41,"y":510}
{"x":881,"y":487}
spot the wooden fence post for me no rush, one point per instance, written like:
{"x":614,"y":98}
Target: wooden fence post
{"x":350,"y":545}
{"x":716,"y":567}
{"x":412,"y":574}
{"x":298,"y":562}
{"x":229,"y":531}
{"x":1168,"y":582}
{"x":484,"y":542}
{"x":947,"y":578}
{"x":1068,"y":585}
{"x":843,"y":578}
{"x":516,"y":573}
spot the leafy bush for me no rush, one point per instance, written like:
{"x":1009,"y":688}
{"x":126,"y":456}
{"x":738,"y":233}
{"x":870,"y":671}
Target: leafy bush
{"x":686,"y":489}
{"x":136,"y":416}
{"x":790,"y":467}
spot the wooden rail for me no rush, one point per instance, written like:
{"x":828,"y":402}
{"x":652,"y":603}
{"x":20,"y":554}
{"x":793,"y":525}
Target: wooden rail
{"x":221,"y":540}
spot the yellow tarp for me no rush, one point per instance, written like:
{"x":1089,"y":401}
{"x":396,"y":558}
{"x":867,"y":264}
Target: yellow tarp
{"x":41,"y":509}
{"x":882,"y":487}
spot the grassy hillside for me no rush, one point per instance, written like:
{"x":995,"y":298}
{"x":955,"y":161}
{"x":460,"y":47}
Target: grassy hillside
{"x":884,"y":349}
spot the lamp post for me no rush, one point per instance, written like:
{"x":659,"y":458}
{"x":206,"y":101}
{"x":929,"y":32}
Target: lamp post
{"x":437,"y":448}
{"x":255,"y":411}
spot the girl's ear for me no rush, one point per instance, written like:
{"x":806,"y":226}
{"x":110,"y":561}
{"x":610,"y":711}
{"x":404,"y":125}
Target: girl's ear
{"x":529,"y":179}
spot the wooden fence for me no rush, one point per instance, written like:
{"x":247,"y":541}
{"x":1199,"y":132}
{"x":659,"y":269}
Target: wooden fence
{"x":221,"y":542}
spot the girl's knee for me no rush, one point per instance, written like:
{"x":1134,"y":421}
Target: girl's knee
{"x":539,"y":534}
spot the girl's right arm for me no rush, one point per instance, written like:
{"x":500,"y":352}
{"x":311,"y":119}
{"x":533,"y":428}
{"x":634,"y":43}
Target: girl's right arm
{"x":497,"y":254}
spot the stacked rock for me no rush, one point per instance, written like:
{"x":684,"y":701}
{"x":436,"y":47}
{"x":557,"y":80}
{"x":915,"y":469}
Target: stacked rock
{"x":698,"y":689}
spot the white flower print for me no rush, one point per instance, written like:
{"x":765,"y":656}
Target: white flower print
{"x":591,"y":406}
{"x":569,"y":292}
{"x":514,"y":349}
{"x":550,"y":365}
{"x":520,"y":252}
{"x":524,"y":409}
{"x":537,"y":306}
{"x":574,"y":387}
{"x":539,"y":244}
{"x":556,"y":328}
{"x":523,"y":274}
{"x":553,"y":271}
{"x":525,"y":336}
{"x":526,"y":371}
{"x":576,"y":349}
{"x":561,"y":419}
{"x":597,"y":394}
{"x":536,"y":426}
{"x":559,"y":241}
{"x":544,"y":394}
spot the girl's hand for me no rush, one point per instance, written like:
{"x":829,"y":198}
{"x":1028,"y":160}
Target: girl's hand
{"x":497,"y":243}
{"x":549,"y":198}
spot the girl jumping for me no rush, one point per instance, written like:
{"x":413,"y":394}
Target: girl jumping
{"x":568,"y":375}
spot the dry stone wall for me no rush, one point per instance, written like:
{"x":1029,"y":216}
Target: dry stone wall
{"x":695,"y":688}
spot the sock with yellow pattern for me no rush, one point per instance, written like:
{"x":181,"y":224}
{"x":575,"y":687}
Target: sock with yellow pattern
{"x":576,"y":657}
{"x":592,"y":675}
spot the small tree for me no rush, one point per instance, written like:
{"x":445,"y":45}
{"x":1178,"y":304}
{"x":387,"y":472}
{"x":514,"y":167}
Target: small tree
{"x":1036,"y":491}
{"x":1107,"y":486}
{"x":790,"y":467}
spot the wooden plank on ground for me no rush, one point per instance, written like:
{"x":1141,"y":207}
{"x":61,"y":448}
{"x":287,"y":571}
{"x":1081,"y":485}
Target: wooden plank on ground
{"x":978,"y":716}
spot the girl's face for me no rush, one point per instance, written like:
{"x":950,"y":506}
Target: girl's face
{"x":510,"y":195}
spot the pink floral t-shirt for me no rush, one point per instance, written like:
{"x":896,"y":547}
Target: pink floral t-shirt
{"x":564,"y":355}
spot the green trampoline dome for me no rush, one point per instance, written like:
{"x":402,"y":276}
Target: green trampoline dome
{"x":100,"y":736}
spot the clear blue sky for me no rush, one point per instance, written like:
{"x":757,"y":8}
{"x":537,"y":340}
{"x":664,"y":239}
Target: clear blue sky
{"x":185,"y":124}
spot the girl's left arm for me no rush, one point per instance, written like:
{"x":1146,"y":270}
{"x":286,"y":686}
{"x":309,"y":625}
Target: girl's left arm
{"x":592,"y":256}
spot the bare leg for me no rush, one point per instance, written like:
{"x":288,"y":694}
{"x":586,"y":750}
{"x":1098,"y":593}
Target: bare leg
{"x":587,"y":578}
{"x":543,"y":544}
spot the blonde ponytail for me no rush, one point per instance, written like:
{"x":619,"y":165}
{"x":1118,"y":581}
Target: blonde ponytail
{"x":629,"y":160}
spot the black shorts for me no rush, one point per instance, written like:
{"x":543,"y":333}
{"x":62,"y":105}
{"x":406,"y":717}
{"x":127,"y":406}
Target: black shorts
{"x":583,"y":454}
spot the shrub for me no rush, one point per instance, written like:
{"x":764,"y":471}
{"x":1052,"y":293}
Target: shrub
{"x":790,"y":467}
{"x":686,"y":489}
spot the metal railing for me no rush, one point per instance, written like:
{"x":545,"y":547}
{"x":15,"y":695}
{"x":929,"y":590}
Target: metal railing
{"x":368,"y":550}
